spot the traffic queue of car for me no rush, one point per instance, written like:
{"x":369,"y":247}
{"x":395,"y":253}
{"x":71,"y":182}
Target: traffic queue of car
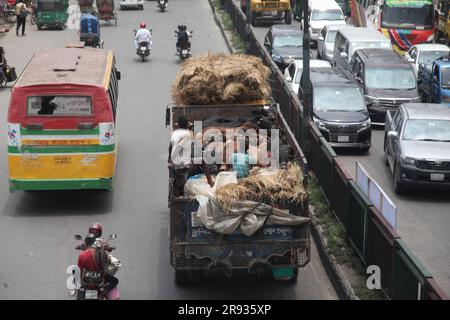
{"x":358,"y":81}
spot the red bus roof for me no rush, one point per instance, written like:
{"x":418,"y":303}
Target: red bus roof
{"x":78,"y":66}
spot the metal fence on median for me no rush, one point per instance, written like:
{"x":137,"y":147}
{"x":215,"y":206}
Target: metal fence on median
{"x":376,"y":243}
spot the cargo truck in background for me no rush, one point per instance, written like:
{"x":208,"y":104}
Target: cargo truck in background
{"x":265,"y":8}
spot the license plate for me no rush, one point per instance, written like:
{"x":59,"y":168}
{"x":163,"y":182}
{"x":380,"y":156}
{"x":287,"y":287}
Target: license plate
{"x":283,"y":273}
{"x":91,"y":295}
{"x":184,"y":52}
{"x":343,"y":139}
{"x":437,"y":177}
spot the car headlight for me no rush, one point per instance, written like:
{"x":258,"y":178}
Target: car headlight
{"x":319,"y":123}
{"x":408,"y":161}
{"x":276,"y":58}
{"x":370,"y":100}
{"x":366,"y":124}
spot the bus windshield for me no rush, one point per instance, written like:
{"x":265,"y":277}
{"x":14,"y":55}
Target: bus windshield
{"x":419,"y":15}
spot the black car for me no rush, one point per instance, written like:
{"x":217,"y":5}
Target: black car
{"x":339,"y":110}
{"x":386,"y":80}
{"x":285,"y":44}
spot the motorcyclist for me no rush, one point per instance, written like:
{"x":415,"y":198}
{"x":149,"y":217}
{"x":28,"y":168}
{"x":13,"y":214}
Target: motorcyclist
{"x":96,"y":229}
{"x":143,"y":35}
{"x":94,"y":258}
{"x":183,"y":37}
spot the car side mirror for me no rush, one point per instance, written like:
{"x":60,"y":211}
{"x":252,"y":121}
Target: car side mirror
{"x":191,"y":32}
{"x":288,"y":78}
{"x":321,"y":38}
{"x":410,"y":60}
{"x":344,"y":55}
{"x":393,"y":134}
{"x":118,"y":75}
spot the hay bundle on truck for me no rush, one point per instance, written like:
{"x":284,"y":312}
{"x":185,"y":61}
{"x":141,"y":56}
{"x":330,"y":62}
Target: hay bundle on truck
{"x":225,"y":213}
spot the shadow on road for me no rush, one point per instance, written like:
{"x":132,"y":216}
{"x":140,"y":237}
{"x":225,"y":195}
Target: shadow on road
{"x":57,"y":203}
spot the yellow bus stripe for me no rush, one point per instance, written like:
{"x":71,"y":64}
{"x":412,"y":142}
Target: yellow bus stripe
{"x":48,"y":167}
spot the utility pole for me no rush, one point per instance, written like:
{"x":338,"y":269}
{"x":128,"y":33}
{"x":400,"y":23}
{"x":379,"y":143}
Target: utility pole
{"x":247,"y":10}
{"x":305,"y":82}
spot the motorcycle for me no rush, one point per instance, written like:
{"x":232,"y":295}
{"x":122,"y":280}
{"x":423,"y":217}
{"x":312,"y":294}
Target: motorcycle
{"x":143,"y":49}
{"x":92,"y":283}
{"x":162,"y":4}
{"x":184,"y":49}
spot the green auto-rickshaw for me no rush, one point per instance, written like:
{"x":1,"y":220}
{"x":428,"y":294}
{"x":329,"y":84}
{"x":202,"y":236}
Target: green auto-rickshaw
{"x":52,"y":13}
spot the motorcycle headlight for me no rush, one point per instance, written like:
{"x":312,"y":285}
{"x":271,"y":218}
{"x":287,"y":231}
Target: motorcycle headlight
{"x":319,"y":123}
{"x":408,"y":161}
{"x":277,"y":58}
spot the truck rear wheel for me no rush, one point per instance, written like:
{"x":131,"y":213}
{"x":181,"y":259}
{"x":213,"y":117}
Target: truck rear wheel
{"x":288,"y":17}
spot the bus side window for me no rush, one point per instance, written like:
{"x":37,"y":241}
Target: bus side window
{"x":113,"y":102}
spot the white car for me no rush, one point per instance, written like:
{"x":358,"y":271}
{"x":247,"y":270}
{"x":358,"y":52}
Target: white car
{"x":425,"y":53}
{"x":131,"y":3}
{"x":325,"y":42}
{"x":322,"y":13}
{"x":293,"y":72}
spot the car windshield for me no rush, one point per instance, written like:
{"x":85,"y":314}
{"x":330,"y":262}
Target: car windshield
{"x":390,"y":78}
{"x":59,"y":106}
{"x":285,"y":40}
{"x":410,"y":17}
{"x":331,"y":36}
{"x":428,"y":57}
{"x":332,"y":14}
{"x":338,"y":99}
{"x":427,"y":130}
{"x":446,"y":77}
{"x":369,"y":44}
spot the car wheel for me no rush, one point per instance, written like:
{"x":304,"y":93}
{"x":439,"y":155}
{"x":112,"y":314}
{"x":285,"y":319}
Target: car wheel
{"x":39,"y":27}
{"x":399,"y":187}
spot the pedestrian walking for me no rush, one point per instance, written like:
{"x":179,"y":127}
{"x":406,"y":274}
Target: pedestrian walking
{"x":21,"y":16}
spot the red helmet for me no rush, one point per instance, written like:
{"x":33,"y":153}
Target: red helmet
{"x":96,"y":228}
{"x":142,"y":25}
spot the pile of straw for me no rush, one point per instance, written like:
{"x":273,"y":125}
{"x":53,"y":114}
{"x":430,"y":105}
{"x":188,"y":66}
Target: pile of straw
{"x":221,"y":79}
{"x":265,"y":185}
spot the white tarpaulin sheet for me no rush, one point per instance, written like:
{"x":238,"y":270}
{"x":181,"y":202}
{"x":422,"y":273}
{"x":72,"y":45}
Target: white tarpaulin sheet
{"x":243,"y":215}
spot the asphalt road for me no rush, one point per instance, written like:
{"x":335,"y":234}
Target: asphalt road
{"x":423,"y":215}
{"x":36,"y":229}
